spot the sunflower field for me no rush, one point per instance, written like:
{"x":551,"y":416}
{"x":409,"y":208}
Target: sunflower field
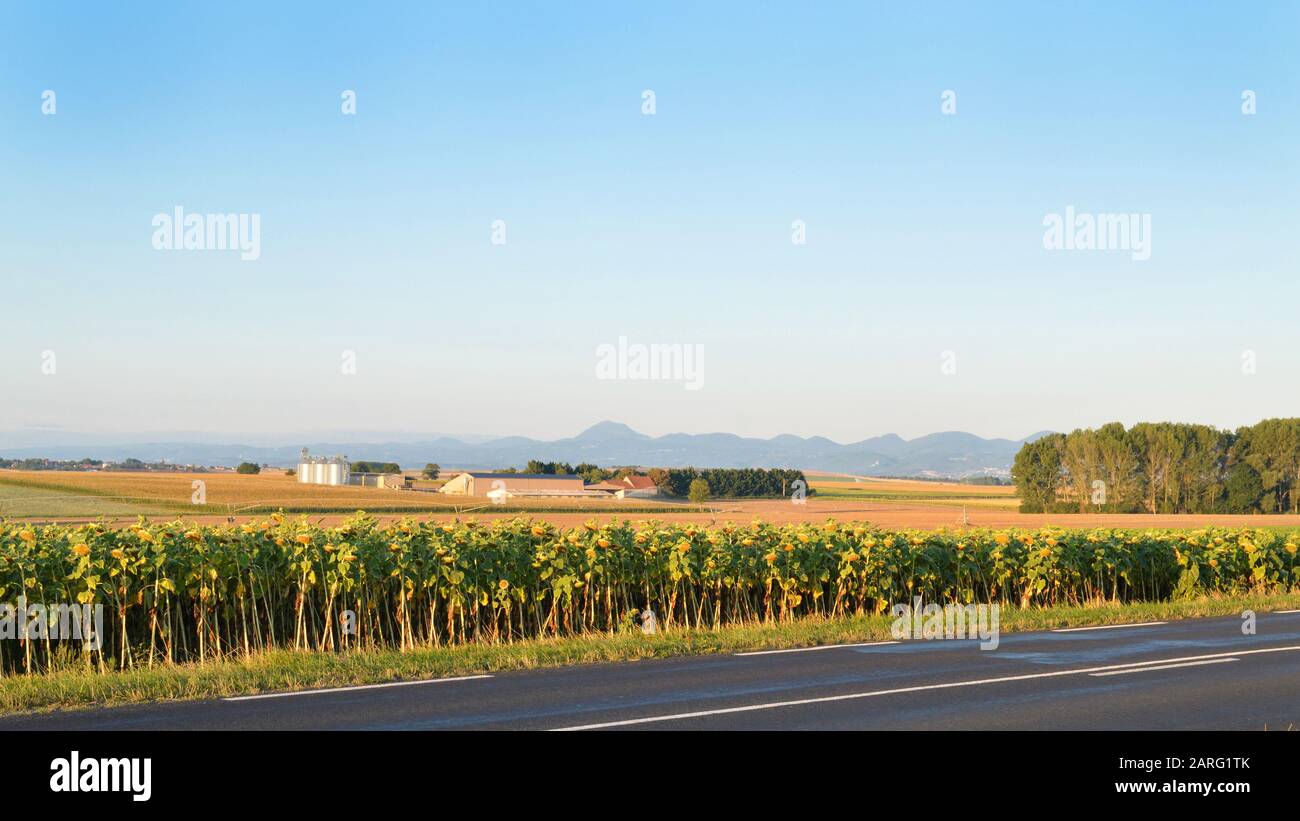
{"x":174,"y":592}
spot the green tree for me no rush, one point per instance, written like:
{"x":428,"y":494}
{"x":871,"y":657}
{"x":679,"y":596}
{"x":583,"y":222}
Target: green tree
{"x":1037,"y":473}
{"x":248,"y":468}
{"x":431,"y":471}
{"x":1272,"y":448}
{"x":375,"y":467}
{"x":591,"y":473}
{"x":1245,"y":489}
{"x":699,"y":492}
{"x":1119,"y":464}
{"x":1081,"y":459}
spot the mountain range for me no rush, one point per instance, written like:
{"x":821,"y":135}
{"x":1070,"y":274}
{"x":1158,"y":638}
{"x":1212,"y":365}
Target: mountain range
{"x":952,"y":454}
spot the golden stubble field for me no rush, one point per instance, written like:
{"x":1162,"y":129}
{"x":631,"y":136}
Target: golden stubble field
{"x":121,"y":497}
{"x":69,"y":495}
{"x":225,"y":489}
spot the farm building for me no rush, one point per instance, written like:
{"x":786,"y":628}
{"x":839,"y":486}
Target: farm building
{"x":640,"y":486}
{"x":514,"y":484}
{"x":611,"y":487}
{"x":323,"y":470}
{"x":390,"y":481}
{"x":336,"y":470}
{"x":628,"y":486}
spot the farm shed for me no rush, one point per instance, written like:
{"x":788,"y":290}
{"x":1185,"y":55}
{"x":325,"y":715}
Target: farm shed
{"x":515,"y":484}
{"x":616,"y":489}
{"x":640,"y":486}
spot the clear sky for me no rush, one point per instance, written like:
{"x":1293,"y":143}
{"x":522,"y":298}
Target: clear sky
{"x":924,"y":230}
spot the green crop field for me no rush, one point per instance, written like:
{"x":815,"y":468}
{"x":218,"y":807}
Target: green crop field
{"x":22,"y":500}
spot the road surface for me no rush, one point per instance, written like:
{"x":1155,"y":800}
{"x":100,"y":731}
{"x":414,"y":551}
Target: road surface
{"x":1195,"y":674}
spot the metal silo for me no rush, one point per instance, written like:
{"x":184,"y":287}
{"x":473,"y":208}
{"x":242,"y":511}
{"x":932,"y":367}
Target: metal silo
{"x":322,"y":470}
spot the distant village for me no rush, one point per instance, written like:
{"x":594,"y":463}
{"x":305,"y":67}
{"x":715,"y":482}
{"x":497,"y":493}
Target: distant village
{"x":102,"y":465}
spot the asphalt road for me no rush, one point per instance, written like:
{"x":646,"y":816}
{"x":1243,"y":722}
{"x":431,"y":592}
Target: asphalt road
{"x":1197,"y":674}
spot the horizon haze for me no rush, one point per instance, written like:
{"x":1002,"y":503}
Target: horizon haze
{"x":606,"y":443}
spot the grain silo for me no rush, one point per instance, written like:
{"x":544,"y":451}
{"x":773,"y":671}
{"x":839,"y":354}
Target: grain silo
{"x":323,"y":470}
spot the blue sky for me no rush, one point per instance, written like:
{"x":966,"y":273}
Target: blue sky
{"x":924,"y":231}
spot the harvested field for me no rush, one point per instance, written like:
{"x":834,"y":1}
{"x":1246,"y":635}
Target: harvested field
{"x":883,"y":514}
{"x":121,"y":497}
{"x":66,"y":495}
{"x":840,"y":487}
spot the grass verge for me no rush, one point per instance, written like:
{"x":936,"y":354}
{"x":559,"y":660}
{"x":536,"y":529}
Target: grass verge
{"x":288,"y":670}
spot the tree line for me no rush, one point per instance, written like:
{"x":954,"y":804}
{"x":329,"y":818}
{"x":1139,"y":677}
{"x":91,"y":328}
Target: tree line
{"x":590,"y":473}
{"x":721,"y":482}
{"x":374,"y":467}
{"x":1163,"y":467}
{"x":730,"y":483}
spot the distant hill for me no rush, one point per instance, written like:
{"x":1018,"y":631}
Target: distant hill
{"x":949,"y":454}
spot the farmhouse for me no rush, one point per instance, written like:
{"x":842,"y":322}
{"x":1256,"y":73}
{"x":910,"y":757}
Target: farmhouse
{"x":628,"y":486}
{"x":514,"y":484}
{"x":617,"y":489}
{"x":640,"y":486}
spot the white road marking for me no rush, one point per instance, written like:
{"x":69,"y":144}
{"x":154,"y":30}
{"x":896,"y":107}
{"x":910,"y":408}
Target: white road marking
{"x":356,"y":687}
{"x":1280,"y":612}
{"x":850,"y":696}
{"x":1108,"y":626}
{"x":818,"y":647}
{"x":1164,"y":667}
